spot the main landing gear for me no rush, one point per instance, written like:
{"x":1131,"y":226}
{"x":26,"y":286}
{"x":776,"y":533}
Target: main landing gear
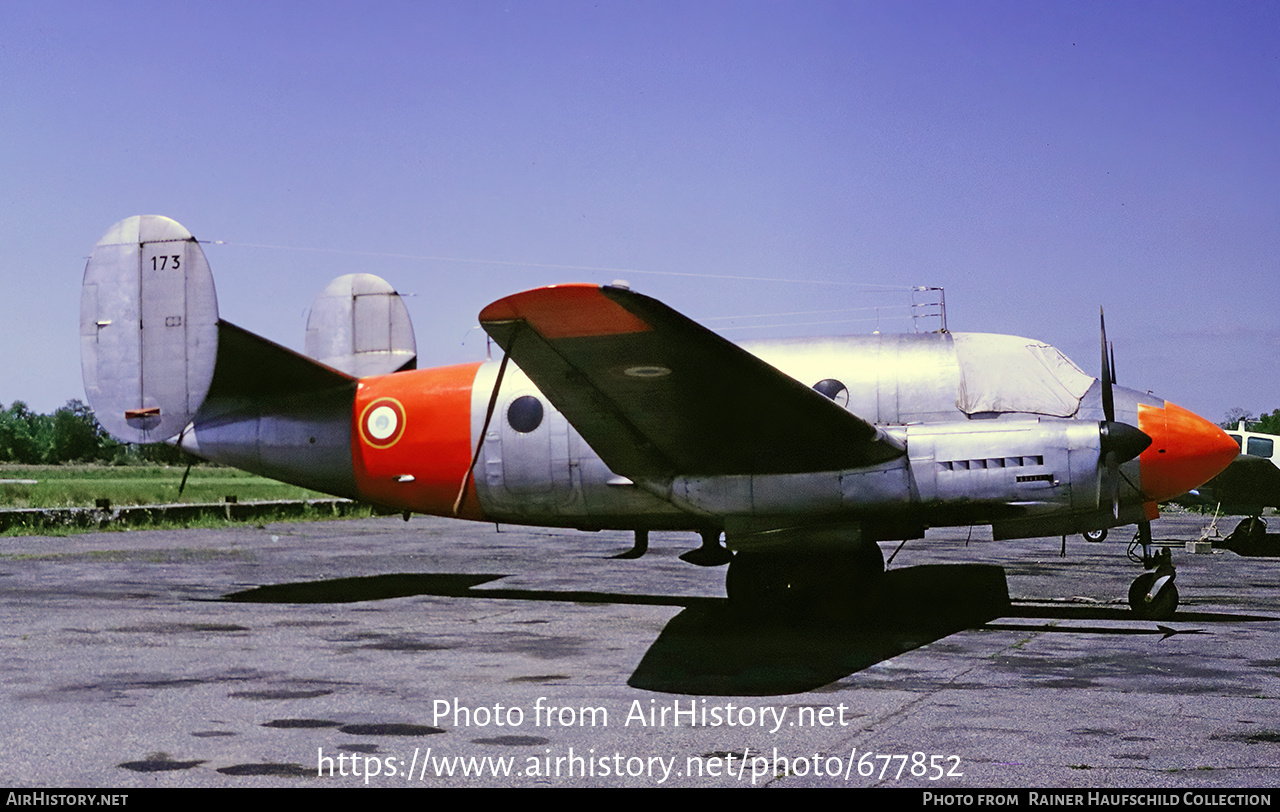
{"x":711,"y":553}
{"x":804,"y":584}
{"x":639,"y":548}
{"x":1153,"y":594}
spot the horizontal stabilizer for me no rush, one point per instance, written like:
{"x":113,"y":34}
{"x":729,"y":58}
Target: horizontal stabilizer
{"x":359,"y":325}
{"x":148,"y":329}
{"x":656,"y":394}
{"x":251,"y":367}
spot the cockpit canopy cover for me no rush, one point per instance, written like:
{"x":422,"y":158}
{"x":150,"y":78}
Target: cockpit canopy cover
{"x":1009,"y":374}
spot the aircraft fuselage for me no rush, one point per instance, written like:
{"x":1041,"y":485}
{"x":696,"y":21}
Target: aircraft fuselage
{"x":1024,"y":473}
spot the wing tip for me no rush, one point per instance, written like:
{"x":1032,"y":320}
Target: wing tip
{"x":565,"y":311}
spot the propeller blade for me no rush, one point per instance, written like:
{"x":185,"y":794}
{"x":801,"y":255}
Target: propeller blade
{"x":1108,"y":477}
{"x":1113,"y":471}
{"x":1105,"y":375}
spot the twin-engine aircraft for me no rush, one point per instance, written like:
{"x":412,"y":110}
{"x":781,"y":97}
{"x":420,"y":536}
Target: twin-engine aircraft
{"x":610,"y":410}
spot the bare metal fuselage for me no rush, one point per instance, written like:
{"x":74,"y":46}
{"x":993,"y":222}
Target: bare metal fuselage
{"x":1024,"y":473}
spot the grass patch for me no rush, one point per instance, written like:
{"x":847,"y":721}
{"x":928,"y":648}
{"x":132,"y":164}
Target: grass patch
{"x":210,"y":518}
{"x":83,"y":485}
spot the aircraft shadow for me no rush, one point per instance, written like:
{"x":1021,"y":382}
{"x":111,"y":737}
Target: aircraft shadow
{"x":366,"y":588}
{"x":444,"y":585}
{"x":1031,"y":609}
{"x":708,"y":649}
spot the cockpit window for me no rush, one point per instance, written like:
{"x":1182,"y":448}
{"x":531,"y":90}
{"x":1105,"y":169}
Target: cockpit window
{"x":1010,"y":374}
{"x":1261,"y":447}
{"x":1236,"y":437}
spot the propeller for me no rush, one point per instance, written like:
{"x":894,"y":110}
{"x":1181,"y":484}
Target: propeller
{"x":1108,"y":376}
{"x":1118,"y":442}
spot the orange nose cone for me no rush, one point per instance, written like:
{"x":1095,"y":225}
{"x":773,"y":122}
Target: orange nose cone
{"x":1186,"y":451}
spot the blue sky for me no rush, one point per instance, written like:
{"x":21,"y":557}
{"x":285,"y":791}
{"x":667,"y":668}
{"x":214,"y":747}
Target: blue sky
{"x":1036,"y":159}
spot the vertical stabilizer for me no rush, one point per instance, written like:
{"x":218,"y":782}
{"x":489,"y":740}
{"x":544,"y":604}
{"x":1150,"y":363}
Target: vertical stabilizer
{"x":359,"y":325}
{"x":148,"y":329}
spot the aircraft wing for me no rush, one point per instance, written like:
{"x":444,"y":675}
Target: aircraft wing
{"x":656,"y":394}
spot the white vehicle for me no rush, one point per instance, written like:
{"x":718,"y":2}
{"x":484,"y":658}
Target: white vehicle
{"x":1256,"y":444}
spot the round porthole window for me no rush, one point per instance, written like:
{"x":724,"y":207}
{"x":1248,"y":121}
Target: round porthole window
{"x":525,"y":414}
{"x":834,"y":390}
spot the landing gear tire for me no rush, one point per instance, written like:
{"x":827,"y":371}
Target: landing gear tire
{"x":1095,"y":535}
{"x":1251,"y":532}
{"x":1161,"y":607}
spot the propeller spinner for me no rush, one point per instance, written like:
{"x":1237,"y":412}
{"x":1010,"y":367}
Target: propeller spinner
{"x":1118,"y":442}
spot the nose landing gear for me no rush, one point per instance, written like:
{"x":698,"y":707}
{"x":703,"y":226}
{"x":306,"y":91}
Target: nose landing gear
{"x":1153,"y":594}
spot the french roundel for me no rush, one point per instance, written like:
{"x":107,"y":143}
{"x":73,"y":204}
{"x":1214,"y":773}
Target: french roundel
{"x":382,"y":422}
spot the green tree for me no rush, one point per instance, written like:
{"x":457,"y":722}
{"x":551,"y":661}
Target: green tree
{"x":23,"y":434}
{"x":1265,"y":424}
{"x":77,"y":435}
{"x":1268,"y":423}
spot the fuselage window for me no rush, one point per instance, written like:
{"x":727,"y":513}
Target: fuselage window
{"x":1261,"y":447}
{"x":834,"y":390}
{"x":525,"y":414}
